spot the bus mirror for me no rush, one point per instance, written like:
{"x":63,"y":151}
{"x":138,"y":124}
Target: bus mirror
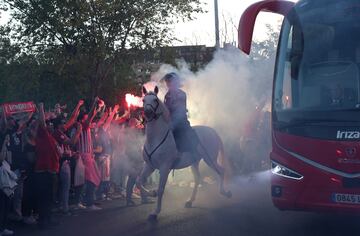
{"x":248,"y":18}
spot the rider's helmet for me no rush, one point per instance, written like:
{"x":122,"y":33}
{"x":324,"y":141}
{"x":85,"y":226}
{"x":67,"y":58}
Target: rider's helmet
{"x":171,"y":76}
{"x":172,"y":80}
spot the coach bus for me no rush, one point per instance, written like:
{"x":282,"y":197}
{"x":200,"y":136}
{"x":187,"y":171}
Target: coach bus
{"x":315,"y":156}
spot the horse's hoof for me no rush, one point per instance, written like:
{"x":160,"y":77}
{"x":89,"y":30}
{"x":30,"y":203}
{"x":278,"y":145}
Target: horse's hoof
{"x":153,"y":193}
{"x":188,"y":204}
{"x":228,"y":194}
{"x":152,"y":218}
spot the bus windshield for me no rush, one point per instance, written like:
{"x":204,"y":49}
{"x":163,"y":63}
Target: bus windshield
{"x":317,"y":74}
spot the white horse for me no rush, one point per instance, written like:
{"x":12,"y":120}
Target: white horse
{"x":160,"y":151}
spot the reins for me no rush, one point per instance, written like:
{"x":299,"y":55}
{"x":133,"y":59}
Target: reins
{"x":157,"y":147}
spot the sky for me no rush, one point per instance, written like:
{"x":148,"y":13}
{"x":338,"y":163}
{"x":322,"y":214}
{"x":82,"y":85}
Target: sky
{"x":201,"y":31}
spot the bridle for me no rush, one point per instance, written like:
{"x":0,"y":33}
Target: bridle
{"x":153,"y":109}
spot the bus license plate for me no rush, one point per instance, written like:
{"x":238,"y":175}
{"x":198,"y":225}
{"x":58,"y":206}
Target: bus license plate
{"x":346,"y":198}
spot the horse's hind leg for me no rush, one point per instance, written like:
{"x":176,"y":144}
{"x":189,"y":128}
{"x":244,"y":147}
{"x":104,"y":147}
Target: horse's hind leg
{"x":212,"y":163}
{"x":164,"y":173}
{"x":196,"y":173}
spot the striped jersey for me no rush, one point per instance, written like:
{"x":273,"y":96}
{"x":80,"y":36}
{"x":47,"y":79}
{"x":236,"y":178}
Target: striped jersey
{"x":85,"y":144}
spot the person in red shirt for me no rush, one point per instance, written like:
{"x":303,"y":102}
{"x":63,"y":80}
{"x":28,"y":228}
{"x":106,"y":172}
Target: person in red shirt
{"x":46,"y":169}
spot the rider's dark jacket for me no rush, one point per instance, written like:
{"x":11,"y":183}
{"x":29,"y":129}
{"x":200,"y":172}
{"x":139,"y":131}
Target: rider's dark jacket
{"x":175,"y":101}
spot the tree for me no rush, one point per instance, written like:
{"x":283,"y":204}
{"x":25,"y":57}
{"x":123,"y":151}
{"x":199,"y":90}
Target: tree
{"x":266,"y":49}
{"x":83,"y":40}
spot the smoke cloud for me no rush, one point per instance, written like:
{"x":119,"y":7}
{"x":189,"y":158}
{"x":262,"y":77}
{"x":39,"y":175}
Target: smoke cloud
{"x":225,"y":95}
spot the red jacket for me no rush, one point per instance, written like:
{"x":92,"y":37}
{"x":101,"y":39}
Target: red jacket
{"x":47,"y":155}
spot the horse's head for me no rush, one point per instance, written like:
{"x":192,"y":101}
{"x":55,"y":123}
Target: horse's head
{"x":152,"y":104}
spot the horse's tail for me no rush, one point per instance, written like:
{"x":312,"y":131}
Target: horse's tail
{"x":224,"y":161}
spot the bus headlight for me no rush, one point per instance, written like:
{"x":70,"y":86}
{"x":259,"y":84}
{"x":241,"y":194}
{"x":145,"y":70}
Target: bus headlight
{"x":283,"y":171}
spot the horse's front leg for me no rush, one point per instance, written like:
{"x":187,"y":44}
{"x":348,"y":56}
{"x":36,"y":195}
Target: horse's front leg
{"x":164,"y":173}
{"x":145,"y":173}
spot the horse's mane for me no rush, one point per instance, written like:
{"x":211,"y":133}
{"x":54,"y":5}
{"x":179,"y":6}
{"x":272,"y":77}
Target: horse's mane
{"x":165,"y":110}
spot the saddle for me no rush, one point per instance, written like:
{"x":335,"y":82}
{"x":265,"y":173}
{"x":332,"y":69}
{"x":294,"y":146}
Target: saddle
{"x":186,"y":139}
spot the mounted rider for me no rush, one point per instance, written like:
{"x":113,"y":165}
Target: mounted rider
{"x":160,"y":151}
{"x":175,"y":101}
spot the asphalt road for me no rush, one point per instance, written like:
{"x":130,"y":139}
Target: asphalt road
{"x":249,"y":212}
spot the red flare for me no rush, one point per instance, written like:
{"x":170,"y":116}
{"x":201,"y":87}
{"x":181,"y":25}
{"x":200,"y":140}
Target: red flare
{"x":133,"y":101}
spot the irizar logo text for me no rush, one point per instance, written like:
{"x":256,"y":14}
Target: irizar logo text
{"x":348,"y":134}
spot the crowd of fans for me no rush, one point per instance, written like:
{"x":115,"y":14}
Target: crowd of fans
{"x":50,"y":158}
{"x":51,"y":161}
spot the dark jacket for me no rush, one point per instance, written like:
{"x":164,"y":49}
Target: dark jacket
{"x":175,"y":101}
